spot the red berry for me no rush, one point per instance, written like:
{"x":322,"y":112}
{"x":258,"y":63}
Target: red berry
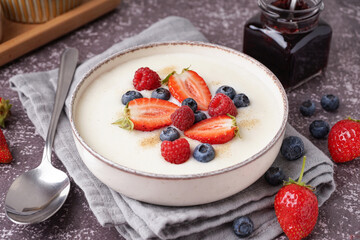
{"x":177,"y":151}
{"x":296,"y":208}
{"x":183,"y":118}
{"x":189,"y":84}
{"x":147,"y":114}
{"x":215,"y":130}
{"x":5,"y":154}
{"x":146,"y":79}
{"x":222,"y":105}
{"x":344,"y":140}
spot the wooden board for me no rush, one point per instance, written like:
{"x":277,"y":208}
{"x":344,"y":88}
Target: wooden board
{"x":19,"y":38}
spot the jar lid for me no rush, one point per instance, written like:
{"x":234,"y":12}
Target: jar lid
{"x":281,"y":9}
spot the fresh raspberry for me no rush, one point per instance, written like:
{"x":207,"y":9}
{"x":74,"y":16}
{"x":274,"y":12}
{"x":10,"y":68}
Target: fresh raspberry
{"x":183,"y":118}
{"x":222,"y":105}
{"x":177,"y":151}
{"x":146,"y":79}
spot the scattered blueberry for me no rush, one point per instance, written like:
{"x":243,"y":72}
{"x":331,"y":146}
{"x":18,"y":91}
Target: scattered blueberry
{"x":243,"y":226}
{"x":199,"y":116}
{"x":130,"y":95}
{"x":307,"y":108}
{"x":292,"y":148}
{"x":161,"y":93}
{"x":330,"y":102}
{"x":191,"y":103}
{"x":228,"y":91}
{"x":241,"y":100}
{"x":169,"y":134}
{"x":204,"y":152}
{"x":319,"y":129}
{"x":274,"y":176}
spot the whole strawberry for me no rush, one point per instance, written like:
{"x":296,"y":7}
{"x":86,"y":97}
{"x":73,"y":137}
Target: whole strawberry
{"x":296,"y":208}
{"x":5,"y":107}
{"x":5,"y":154}
{"x":344,"y":140}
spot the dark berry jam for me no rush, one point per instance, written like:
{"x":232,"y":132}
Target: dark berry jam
{"x":294,"y":50}
{"x":285,"y":4}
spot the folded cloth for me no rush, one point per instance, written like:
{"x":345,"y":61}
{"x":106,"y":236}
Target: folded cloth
{"x":138,"y":220}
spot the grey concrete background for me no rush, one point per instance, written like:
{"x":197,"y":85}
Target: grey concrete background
{"x":222,"y":23}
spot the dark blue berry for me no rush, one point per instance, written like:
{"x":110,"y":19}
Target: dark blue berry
{"x":241,"y":100}
{"x":199,"y":116}
{"x":243,"y":226}
{"x":274,"y":176}
{"x":330,"y":102}
{"x":161,"y":93}
{"x":130,"y":95}
{"x":204,"y":152}
{"x":169,"y":134}
{"x":191,"y":103}
{"x":307,"y":108}
{"x":292,"y":148}
{"x":319,"y":129}
{"x":228,"y":91}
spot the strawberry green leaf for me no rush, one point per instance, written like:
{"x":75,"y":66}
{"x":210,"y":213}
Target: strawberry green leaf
{"x":5,"y":107}
{"x":299,"y":181}
{"x":125,"y":121}
{"x":166,"y":80}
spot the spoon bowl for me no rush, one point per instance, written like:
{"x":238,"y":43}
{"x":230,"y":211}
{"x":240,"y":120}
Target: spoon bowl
{"x":38,"y":194}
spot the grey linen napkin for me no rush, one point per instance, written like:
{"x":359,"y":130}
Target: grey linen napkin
{"x":138,"y":220}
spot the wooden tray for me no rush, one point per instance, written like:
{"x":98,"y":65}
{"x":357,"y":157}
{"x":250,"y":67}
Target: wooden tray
{"x":19,"y":38}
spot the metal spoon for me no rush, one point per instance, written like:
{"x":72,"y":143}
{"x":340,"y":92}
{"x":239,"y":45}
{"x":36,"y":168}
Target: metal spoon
{"x":37,"y":194}
{"x":292,"y":5}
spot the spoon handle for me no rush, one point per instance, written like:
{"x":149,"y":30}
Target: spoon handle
{"x":69,"y":59}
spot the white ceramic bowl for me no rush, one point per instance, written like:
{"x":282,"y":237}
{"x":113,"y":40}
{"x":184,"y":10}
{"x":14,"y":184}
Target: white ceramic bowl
{"x":183,"y":189}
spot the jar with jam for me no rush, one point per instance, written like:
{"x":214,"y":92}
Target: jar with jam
{"x":290,"y":39}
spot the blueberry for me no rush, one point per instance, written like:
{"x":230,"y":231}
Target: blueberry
{"x":243,"y":226}
{"x":130,"y":95}
{"x":319,"y":129}
{"x":199,"y":116}
{"x":161,"y":93}
{"x":241,"y":100}
{"x":191,"y":103}
{"x":292,"y":148}
{"x":228,"y":91}
{"x":307,"y":108}
{"x":274,"y":176}
{"x":330,"y":102}
{"x":204,"y":152}
{"x":169,"y":134}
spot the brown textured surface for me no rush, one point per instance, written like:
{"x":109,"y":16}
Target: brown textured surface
{"x":222,"y":23}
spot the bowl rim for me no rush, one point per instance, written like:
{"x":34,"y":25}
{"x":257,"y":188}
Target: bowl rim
{"x":129,"y":170}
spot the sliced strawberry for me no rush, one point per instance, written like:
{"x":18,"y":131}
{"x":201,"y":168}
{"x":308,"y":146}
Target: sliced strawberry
{"x":147,"y":114}
{"x":216,"y":130}
{"x":188,"y":84}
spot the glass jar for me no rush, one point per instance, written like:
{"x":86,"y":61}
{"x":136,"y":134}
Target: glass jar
{"x":293,"y":44}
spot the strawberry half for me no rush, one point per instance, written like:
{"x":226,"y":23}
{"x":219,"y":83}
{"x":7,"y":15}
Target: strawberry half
{"x":296,"y":208}
{"x":216,"y":130}
{"x":5,"y":154}
{"x":344,"y":140}
{"x":188,"y":84}
{"x":147,"y":114}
